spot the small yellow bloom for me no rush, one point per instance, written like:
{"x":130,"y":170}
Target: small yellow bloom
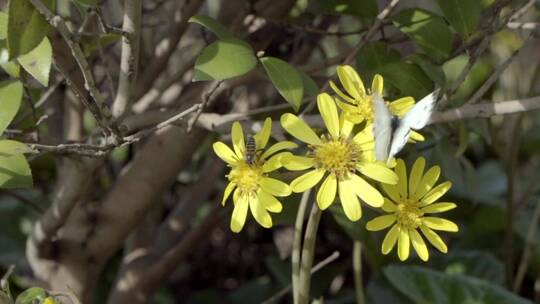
{"x":357,"y":102}
{"x":407,"y":207}
{"x":48,"y":300}
{"x":249,"y":180}
{"x":336,"y":158}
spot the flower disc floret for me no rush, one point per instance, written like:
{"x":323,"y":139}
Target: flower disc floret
{"x":407,"y":205}
{"x":249,"y":181}
{"x":338,"y":159}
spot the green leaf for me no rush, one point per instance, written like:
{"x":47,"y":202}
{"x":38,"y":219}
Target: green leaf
{"x":88,"y":2}
{"x":91,"y":44}
{"x":213,"y":25}
{"x":26,"y":26}
{"x":10,"y":101}
{"x":463,"y":15}
{"x":408,"y":78}
{"x":365,"y":9}
{"x":15,"y":172}
{"x":286,"y":79}
{"x":310,"y":86}
{"x":432,"y":70}
{"x":422,"y":285}
{"x":224,"y":59}
{"x":28,"y":296}
{"x":38,"y":61}
{"x":427,"y":29}
{"x":3,"y":25}
{"x":373,"y":56}
{"x":474,"y":263}
{"x":11,"y":67}
{"x":12,"y":147}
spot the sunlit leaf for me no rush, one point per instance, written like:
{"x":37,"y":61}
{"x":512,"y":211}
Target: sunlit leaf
{"x":224,"y":59}
{"x":213,"y":25}
{"x":38,"y":61}
{"x":408,"y":78}
{"x":15,"y":172}
{"x":286,"y":79}
{"x":463,"y":15}
{"x":10,"y":101}
{"x":12,"y":147}
{"x":3,"y":25}
{"x":26,"y":26}
{"x":427,"y":29}
{"x":87,"y":2}
{"x":11,"y":67}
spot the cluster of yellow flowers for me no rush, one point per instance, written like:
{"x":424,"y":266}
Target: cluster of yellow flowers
{"x":342,"y":162}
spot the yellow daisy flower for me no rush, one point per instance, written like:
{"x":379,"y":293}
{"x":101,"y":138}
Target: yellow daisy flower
{"x":337,"y":158}
{"x":249,"y":176}
{"x":408,"y":205}
{"x":357,"y":102}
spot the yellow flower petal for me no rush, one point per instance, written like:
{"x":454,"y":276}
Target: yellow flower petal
{"x":429,"y":179}
{"x":327,"y":192}
{"x":391,"y":191}
{"x":419,"y":245}
{"x":416,"y":174}
{"x":377,"y":85}
{"x":351,"y":81}
{"x":366,"y":192}
{"x":296,"y":163}
{"x":238,"y":218}
{"x":346,"y":126}
{"x":269,"y":202}
{"x":415,"y":136}
{"x":389,"y":206}
{"x":282,"y":145}
{"x":404,"y":244}
{"x":275,"y":187}
{"x":381,"y":222}
{"x":438,"y":207}
{"x":259,"y":213}
{"x":349,"y":200}
{"x":299,"y":129}
{"x":273,"y":163}
{"x":365,"y":137}
{"x":401,"y":172}
{"x":436,"y":193}
{"x":341,"y":94}
{"x":230,"y":187}
{"x":262,"y":137}
{"x":329,"y":113}
{"x":390,"y":239}
{"x":378,"y":172}
{"x":225,"y":153}
{"x":307,"y":180}
{"x":437,"y":223}
{"x":237,"y":135}
{"x":434,"y":239}
{"x":346,"y":107}
{"x":401,"y":106}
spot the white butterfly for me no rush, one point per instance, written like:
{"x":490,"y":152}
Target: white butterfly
{"x":391,"y":133}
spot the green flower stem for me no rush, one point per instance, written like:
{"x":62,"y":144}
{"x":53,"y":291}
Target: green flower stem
{"x":297,"y":243}
{"x":357,"y":269}
{"x":308,"y":251}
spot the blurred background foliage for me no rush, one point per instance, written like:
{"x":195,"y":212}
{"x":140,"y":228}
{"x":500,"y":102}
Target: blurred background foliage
{"x":493,"y":163}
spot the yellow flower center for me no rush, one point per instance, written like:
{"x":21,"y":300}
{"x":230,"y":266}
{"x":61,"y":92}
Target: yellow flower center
{"x":338,"y":156}
{"x":246,"y":177}
{"x":409,"y":214}
{"x":365,"y":109}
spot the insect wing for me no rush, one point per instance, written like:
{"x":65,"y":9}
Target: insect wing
{"x":399,"y":139}
{"x":382,"y":128}
{"x":419,"y":115}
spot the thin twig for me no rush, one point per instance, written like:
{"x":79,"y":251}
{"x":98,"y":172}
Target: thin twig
{"x":331,"y":258}
{"x":497,"y":73}
{"x":524,"y":263}
{"x":205,"y":99}
{"x":4,"y":282}
{"x":98,"y":108}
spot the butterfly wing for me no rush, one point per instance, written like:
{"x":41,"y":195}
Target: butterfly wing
{"x":419,"y":115}
{"x":399,"y":139}
{"x":382,"y":128}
